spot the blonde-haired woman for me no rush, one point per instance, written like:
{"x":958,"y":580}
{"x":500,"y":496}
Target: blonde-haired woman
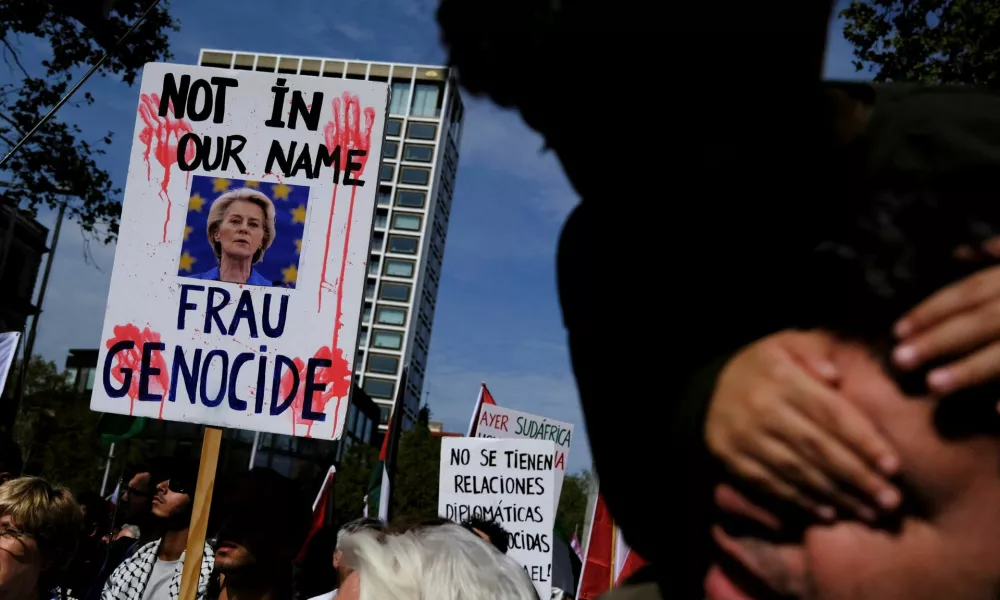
{"x":39,"y":527}
{"x":240,"y":230}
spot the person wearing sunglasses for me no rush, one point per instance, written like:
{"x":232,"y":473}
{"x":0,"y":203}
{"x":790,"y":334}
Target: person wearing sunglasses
{"x":135,"y":503}
{"x":154,"y":571}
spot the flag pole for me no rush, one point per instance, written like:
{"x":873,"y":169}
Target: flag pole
{"x":475,"y":412}
{"x":614,"y":557}
{"x":326,"y":482}
{"x":253,"y":450}
{"x":107,"y":469}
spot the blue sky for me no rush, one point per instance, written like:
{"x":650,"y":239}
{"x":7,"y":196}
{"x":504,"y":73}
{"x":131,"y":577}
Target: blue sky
{"x":497,"y":318}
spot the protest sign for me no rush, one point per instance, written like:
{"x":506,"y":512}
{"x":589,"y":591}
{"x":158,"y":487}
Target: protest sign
{"x":499,"y":422}
{"x":511,"y":482}
{"x":239,"y":273}
{"x":8,"y":350}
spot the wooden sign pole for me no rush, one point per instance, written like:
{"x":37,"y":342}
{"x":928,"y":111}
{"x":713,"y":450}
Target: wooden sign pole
{"x":199,"y":513}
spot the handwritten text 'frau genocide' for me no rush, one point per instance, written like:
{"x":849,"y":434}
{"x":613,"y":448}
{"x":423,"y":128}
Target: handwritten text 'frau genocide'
{"x":201,"y":99}
{"x":194,"y":374}
{"x":503,"y":485}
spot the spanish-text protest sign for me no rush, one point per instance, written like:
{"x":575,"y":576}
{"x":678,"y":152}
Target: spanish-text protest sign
{"x":499,"y":422}
{"x":239,"y":272}
{"x":511,"y":482}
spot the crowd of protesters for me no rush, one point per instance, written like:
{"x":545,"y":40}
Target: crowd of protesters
{"x":54,"y":546}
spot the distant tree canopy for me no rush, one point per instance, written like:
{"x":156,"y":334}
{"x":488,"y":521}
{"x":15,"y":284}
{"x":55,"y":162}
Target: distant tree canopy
{"x":351,"y":481}
{"x":57,"y":165}
{"x":926,"y":41}
{"x":417,"y":472}
{"x":56,"y":429}
{"x":573,"y":503}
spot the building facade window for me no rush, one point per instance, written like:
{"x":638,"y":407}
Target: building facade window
{"x":369,"y":289}
{"x":414,"y":176}
{"x":406,"y":221}
{"x":395,"y":267}
{"x":383,"y":413}
{"x":399,"y":96}
{"x":410,"y":198}
{"x":381,"y":217}
{"x":394,"y":127}
{"x":401,"y":244}
{"x":378,"y":240}
{"x":391,"y":316}
{"x":362,"y":337}
{"x":384,"y":196}
{"x":379,"y":388}
{"x":383,"y":363}
{"x":414,"y":153}
{"x":387,"y":172}
{"x":426,"y":100}
{"x":390,"y":340}
{"x":368,"y":313}
{"x":395,"y":292}
{"x":421,"y":131}
{"x":390,"y":149}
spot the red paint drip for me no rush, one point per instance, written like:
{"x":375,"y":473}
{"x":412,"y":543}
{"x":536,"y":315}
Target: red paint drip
{"x":166,"y":132}
{"x":345,"y":131}
{"x":132,"y":359}
{"x":337,"y":378}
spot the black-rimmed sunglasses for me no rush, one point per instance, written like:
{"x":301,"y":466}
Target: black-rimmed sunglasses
{"x":178,"y":485}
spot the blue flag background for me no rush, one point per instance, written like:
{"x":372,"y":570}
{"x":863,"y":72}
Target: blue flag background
{"x":281,"y":261}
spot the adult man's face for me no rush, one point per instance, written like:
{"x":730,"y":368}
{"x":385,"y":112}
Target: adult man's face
{"x":137,"y":498}
{"x":947,"y":544}
{"x":234,"y":554}
{"x":170,"y":503}
{"x":248,"y":540}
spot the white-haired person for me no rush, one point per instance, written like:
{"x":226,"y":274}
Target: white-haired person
{"x":440,"y":561}
{"x":240,"y":229}
{"x":342,"y":570}
{"x":40,"y":525}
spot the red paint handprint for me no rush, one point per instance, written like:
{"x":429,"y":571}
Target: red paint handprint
{"x":345,"y":129}
{"x":132,"y":359}
{"x":161,"y":135}
{"x":337,"y":378}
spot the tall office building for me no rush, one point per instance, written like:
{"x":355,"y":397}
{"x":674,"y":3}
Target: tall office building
{"x":416,"y":182}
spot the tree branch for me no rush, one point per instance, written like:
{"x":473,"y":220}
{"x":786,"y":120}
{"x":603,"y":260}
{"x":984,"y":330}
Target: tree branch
{"x":12,"y":123}
{"x":13,"y":54}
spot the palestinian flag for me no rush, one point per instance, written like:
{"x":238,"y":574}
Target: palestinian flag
{"x":608,"y":561}
{"x":484,"y":398}
{"x":319,"y":507}
{"x":380,"y":485}
{"x":115,"y":429}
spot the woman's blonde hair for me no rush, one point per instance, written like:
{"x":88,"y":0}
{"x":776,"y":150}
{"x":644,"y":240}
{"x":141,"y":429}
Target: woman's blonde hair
{"x":46,"y":512}
{"x":444,"y":562}
{"x":218,"y":212}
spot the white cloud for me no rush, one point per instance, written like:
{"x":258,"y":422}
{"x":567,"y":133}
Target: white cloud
{"x":421,"y":10}
{"x":498,"y":139}
{"x":353,"y":32}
